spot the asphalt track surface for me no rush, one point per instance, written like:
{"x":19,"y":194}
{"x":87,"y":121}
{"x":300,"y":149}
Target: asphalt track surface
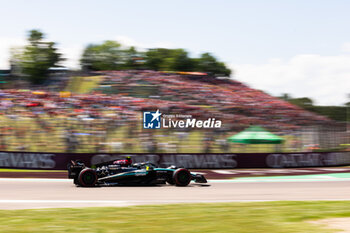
{"x":208,"y":173}
{"x":58,"y":193}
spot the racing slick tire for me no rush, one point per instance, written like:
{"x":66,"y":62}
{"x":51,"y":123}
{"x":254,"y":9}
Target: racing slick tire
{"x":87,"y":178}
{"x":182,"y":177}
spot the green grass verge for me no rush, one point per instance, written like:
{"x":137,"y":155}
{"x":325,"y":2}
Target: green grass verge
{"x":224,"y":217}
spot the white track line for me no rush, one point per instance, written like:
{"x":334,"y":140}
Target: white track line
{"x":299,"y":170}
{"x":65,"y":201}
{"x":200,"y":173}
{"x":134,"y":202}
{"x":333,"y":169}
{"x":288,"y":180}
{"x":224,"y":172}
{"x":279,"y":171}
{"x":250,"y":171}
{"x":112,"y":201}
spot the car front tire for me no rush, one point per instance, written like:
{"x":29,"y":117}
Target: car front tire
{"x":182,"y":177}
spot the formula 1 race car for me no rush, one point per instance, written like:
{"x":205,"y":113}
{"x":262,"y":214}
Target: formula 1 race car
{"x":133,"y":174}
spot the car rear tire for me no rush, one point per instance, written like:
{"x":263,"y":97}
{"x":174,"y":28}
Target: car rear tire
{"x":182,"y":177}
{"x":87,"y":178}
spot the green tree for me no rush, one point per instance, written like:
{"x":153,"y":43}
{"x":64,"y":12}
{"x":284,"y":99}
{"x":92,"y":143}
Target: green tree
{"x":34,"y":60}
{"x":178,"y":60}
{"x":303,"y":102}
{"x":132,"y":59}
{"x":106,"y":56}
{"x":285,"y":96}
{"x":158,"y":59}
{"x":111,"y":56}
{"x":337,"y":113}
{"x":181,"y":61}
{"x":208,"y":63}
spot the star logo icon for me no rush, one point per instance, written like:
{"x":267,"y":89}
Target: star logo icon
{"x":151,"y":120}
{"x":155,"y":115}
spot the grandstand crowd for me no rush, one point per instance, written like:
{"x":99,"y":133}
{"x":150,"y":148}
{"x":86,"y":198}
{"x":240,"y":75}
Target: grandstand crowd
{"x":100,"y":122}
{"x":232,"y":101}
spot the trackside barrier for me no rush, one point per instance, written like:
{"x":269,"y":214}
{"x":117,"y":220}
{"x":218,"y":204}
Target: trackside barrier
{"x":59,"y":161}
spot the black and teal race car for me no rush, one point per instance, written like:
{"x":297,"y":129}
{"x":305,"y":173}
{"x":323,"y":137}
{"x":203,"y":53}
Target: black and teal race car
{"x":135,"y":174}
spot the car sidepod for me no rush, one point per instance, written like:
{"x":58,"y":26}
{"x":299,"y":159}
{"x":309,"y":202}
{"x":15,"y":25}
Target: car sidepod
{"x":139,"y":176}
